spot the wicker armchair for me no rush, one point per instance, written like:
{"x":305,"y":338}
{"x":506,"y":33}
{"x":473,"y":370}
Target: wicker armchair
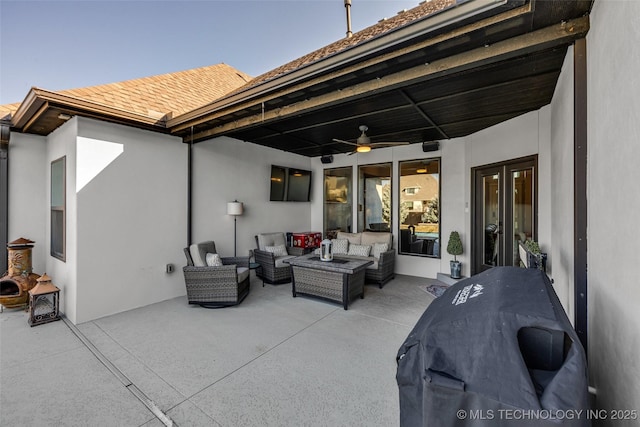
{"x":273,"y":269}
{"x":214,"y":287}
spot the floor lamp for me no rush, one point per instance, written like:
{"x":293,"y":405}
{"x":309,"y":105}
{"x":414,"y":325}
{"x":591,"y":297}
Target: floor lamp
{"x":235,"y":209}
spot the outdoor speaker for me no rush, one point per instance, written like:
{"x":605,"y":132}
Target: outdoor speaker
{"x":326,"y":159}
{"x":430,"y":146}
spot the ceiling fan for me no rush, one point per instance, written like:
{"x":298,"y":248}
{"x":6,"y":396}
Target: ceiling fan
{"x":363,"y":143}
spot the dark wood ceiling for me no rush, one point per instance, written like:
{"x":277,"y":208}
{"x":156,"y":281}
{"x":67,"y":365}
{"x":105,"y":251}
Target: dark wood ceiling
{"x":448,"y":84}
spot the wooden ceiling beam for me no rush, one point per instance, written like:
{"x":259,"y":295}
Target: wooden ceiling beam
{"x":543,"y":39}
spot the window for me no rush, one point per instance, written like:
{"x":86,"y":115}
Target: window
{"x":419,"y":215}
{"x":337,"y":201}
{"x":374,"y":197}
{"x":58,"y":208}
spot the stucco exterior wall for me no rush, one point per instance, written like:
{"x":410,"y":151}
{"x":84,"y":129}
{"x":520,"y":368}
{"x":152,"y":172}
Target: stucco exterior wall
{"x":62,"y":142}
{"x":131,"y":217}
{"x":561,"y":253}
{"x":226,"y":169}
{"x":613,"y":175}
{"x":28,"y":170}
{"x":522,"y":136}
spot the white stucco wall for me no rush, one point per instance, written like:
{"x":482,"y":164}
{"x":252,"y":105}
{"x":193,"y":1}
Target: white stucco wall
{"x":131,"y":217}
{"x":28,"y":170}
{"x":519,"y":137}
{"x":614,"y":200}
{"x":62,"y":142}
{"x":561,"y":251}
{"x":226,"y":169}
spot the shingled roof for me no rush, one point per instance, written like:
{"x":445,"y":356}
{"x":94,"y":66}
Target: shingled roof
{"x":169,"y":95}
{"x":7,"y":110}
{"x":424,"y":10}
{"x":165,"y":94}
{"x":159,"y":96}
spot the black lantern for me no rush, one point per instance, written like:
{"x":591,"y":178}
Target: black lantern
{"x":44,"y":302}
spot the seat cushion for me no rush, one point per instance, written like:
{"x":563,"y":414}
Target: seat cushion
{"x":270,"y":239}
{"x":369,"y":238}
{"x":243,"y":273}
{"x":353,"y":238}
{"x":199,"y":252}
{"x":280,"y":261}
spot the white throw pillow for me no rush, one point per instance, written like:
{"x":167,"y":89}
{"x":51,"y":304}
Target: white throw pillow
{"x":339,"y":246}
{"x":277,"y":250}
{"x":213,"y":260}
{"x":378,"y":248}
{"x":359,"y":250}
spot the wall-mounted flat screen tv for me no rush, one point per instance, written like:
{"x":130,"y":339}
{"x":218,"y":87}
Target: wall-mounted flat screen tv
{"x":290,"y":184}
{"x":278,"y":182}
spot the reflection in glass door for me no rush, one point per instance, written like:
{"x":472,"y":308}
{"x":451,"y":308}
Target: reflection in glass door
{"x":492,"y":219}
{"x":489,"y":218}
{"x":337,"y":201}
{"x":522,"y":210}
{"x":504,"y":212}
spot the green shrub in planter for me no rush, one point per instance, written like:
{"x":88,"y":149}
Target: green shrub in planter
{"x":455,"y":245}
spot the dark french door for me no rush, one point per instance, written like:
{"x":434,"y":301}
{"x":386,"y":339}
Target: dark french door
{"x":505,"y":211}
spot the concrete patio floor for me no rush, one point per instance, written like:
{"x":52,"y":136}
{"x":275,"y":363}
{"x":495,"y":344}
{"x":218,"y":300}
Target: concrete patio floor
{"x":273,"y":360}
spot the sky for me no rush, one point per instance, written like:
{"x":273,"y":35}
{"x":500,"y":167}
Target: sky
{"x":59,"y":45}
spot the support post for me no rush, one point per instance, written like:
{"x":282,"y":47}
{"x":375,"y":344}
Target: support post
{"x":4,"y":195}
{"x":189,"y":189}
{"x":580,"y":189}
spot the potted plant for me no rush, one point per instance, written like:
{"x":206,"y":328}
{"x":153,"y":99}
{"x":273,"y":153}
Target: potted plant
{"x":534,"y":256}
{"x":454,"y":247}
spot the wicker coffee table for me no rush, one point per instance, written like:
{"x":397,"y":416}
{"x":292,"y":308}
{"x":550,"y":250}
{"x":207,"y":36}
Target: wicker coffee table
{"x":339,"y":280}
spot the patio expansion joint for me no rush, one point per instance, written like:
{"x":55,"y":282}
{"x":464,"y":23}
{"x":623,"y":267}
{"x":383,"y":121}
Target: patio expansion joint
{"x":385,"y":320}
{"x":136,"y":358}
{"x":128,"y":384}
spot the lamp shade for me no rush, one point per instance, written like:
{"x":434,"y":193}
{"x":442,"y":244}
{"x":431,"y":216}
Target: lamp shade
{"x":235,"y":208}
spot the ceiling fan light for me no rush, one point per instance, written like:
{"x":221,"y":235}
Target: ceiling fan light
{"x":363,"y":149}
{"x":421,"y":170}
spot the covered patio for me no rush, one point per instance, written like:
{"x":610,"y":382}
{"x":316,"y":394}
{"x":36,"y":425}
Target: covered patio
{"x":509,"y":82}
{"x":273,"y":360}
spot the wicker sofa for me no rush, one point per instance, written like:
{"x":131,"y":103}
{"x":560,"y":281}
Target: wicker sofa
{"x":215,"y":286}
{"x":382,"y":269}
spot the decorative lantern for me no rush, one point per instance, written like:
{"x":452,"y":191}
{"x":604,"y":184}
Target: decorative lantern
{"x":326,"y":251}
{"x":44,"y":302}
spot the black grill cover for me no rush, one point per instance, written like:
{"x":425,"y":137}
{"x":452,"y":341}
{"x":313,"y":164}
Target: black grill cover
{"x":499,"y":348}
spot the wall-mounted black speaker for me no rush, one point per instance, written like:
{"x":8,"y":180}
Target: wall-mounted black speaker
{"x":430,"y":146}
{"x":326,"y":159}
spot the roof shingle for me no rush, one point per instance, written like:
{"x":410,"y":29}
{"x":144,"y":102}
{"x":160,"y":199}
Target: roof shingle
{"x":423,"y":10}
{"x":173,"y":94}
{"x":166,"y":94}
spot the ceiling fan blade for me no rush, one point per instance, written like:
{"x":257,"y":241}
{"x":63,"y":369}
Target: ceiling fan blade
{"x":353,"y":152}
{"x":380,"y":144}
{"x":342,"y":141}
